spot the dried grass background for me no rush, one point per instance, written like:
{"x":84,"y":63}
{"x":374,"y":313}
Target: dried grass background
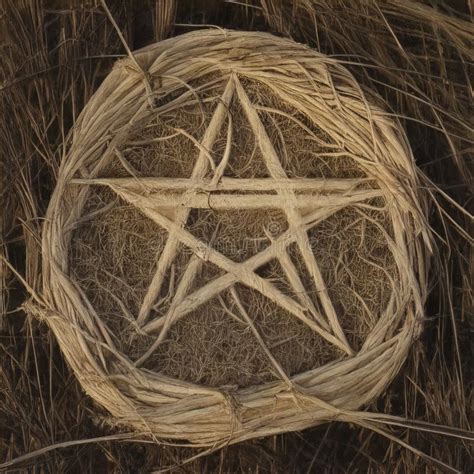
{"x":54,"y":54}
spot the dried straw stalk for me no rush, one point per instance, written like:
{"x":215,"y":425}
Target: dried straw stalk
{"x":325,"y":92}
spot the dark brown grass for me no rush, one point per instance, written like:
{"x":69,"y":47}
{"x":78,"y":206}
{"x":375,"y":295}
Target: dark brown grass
{"x":55,"y":53}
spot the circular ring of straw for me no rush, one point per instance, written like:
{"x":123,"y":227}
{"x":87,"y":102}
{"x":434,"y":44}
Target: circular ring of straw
{"x":323,"y":90}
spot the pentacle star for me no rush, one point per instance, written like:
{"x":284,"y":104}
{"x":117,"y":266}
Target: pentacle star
{"x":303,"y":201}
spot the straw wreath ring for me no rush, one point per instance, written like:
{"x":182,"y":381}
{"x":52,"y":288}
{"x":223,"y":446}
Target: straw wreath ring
{"x":237,"y":244}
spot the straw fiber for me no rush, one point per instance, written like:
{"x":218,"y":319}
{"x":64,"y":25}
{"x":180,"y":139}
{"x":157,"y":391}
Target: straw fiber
{"x":237,"y":243}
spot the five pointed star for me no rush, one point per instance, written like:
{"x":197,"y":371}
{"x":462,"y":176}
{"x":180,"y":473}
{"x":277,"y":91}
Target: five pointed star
{"x":303,"y":211}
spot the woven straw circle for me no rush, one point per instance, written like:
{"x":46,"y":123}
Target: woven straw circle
{"x":236,"y":246}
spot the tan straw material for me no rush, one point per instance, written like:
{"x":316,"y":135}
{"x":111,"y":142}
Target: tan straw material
{"x":237,"y":244}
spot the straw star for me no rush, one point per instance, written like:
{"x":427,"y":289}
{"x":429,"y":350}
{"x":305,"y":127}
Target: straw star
{"x":302,"y":210}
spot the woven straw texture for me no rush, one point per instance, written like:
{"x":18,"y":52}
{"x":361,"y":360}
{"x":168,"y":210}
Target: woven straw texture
{"x":171,"y":320}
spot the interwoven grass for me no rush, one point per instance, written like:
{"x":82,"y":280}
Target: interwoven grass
{"x":237,"y":244}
